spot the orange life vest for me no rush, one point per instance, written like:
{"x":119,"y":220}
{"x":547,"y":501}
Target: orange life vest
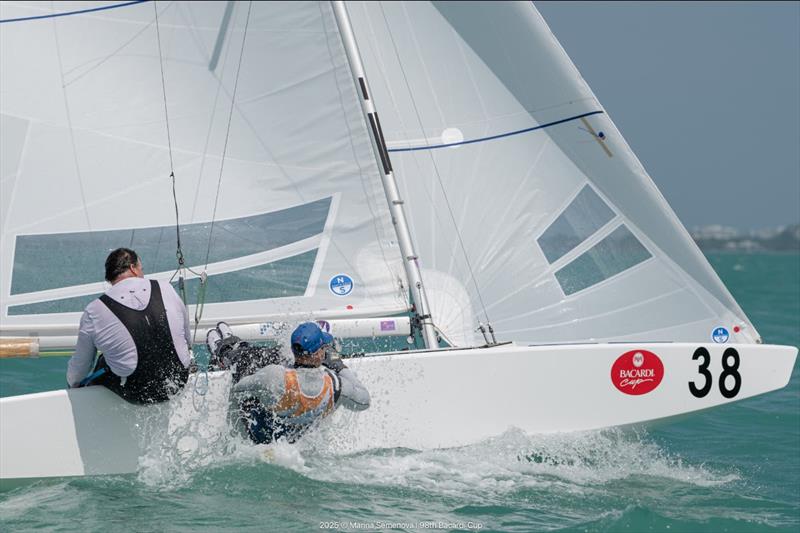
{"x":294,"y":404}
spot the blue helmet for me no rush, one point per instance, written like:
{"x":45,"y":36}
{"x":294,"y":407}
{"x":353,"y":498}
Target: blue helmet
{"x":307,"y":338}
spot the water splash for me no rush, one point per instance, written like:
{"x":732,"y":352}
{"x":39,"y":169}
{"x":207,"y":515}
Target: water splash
{"x":514,"y":461}
{"x":188,"y":436}
{"x":198,"y":439}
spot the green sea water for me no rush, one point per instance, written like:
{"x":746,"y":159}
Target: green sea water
{"x":734,"y":468}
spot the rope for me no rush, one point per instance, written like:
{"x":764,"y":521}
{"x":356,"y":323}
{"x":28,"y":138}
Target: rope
{"x":436,"y":169}
{"x":203,"y":276}
{"x":179,"y":248}
{"x":201,"y":291}
{"x":164,"y":89}
{"x":200,"y":305}
{"x":182,"y":268}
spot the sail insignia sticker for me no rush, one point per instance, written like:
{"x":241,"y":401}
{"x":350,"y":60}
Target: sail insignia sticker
{"x":341,"y":285}
{"x":637,"y":372}
{"x":720,"y":335}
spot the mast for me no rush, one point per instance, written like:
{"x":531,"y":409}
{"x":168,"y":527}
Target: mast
{"x":389,"y":184}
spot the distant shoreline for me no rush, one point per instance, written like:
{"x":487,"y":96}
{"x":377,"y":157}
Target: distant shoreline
{"x":724,"y":239}
{"x":753,"y":252}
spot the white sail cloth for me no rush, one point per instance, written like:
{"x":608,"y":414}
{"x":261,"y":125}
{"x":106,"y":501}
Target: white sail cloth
{"x":300,"y":222}
{"x":568,"y":237}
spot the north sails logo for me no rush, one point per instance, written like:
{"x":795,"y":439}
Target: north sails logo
{"x":637,"y":372}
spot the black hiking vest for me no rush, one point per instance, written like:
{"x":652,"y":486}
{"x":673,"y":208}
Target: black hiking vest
{"x":159,"y":371}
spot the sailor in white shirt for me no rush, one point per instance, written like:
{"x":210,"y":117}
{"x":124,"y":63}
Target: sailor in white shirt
{"x":142,"y":329}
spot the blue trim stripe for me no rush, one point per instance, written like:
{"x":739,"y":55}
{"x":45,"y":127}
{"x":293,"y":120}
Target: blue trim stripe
{"x":499,"y":136}
{"x":68,"y":13}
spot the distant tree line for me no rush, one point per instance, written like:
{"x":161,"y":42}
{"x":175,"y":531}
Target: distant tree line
{"x":718,"y":238}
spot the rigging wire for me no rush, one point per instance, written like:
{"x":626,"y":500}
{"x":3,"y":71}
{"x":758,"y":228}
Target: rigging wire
{"x":436,"y":169}
{"x":203,"y":276}
{"x":201,"y":296}
{"x":163,"y":87}
{"x":179,"y":249}
{"x":182,"y":268}
{"x":201,"y":292}
{"x":199,"y":389}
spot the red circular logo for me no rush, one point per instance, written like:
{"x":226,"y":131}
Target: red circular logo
{"x":637,"y":372}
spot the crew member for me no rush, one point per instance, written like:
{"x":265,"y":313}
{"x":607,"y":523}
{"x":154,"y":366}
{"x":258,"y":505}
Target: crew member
{"x":284,"y":402}
{"x":141,"y":327}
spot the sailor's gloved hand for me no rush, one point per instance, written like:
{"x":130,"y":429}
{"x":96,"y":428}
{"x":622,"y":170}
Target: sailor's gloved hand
{"x":333,"y":361}
{"x":337,"y":365}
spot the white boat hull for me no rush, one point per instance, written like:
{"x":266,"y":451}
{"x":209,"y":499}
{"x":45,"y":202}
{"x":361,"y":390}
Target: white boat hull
{"x":420,"y":400}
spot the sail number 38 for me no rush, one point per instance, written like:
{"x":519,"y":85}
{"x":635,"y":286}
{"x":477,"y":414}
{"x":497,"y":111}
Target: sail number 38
{"x":730,"y":373}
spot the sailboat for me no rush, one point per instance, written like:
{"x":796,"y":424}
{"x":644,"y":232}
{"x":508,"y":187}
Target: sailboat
{"x":433,"y":170}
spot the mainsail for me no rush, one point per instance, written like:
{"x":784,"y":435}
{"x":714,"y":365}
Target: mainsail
{"x":528,"y":208}
{"x":499,"y":144}
{"x":293,"y":222}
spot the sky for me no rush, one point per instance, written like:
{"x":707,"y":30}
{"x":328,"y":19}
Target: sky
{"x":706,"y":93}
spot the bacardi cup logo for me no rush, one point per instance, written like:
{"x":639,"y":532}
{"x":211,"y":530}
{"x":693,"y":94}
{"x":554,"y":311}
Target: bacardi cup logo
{"x":637,"y":372}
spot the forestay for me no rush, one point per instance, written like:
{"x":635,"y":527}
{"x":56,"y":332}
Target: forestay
{"x":299,"y":216}
{"x":568,"y":237}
